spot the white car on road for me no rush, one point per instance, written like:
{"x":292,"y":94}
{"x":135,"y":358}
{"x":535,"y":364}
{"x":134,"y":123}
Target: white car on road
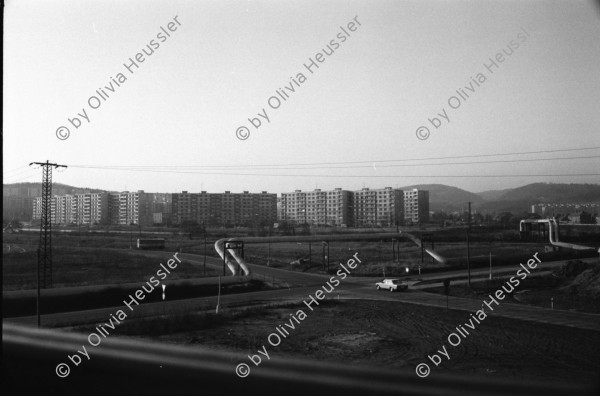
{"x":392,"y":285}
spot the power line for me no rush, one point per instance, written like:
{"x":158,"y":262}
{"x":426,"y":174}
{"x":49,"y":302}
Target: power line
{"x":20,"y":169}
{"x":154,"y":167}
{"x":21,"y":179}
{"x":316,"y":175}
{"x":365,"y":162}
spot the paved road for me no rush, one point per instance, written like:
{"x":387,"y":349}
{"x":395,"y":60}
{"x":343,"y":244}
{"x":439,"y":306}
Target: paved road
{"x":497,"y":270}
{"x":503,"y":309}
{"x":157,"y":308}
{"x":297,"y":286}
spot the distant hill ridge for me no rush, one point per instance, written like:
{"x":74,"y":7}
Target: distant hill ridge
{"x":520,"y":199}
{"x":61,"y":188}
{"x":546,"y":192}
{"x":449,"y":198}
{"x":511,"y":200}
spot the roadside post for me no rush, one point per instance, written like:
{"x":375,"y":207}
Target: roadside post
{"x":447,"y":290}
{"x":218,"y":296}
{"x":163,"y":298}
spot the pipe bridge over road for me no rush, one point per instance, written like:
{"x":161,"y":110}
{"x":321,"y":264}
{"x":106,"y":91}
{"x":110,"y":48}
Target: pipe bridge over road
{"x":233,"y":258}
{"x":525,"y":228}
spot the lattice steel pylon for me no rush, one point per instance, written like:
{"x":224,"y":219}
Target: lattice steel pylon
{"x":45,"y":247}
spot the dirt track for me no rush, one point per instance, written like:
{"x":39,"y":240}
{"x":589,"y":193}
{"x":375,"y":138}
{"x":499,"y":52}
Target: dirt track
{"x":390,"y":334}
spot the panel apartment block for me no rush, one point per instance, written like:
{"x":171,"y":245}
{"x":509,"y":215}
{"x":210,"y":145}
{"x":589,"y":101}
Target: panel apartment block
{"x":317,"y":207}
{"x":121,"y":208}
{"x":378,"y":208}
{"x":416,"y":206}
{"x":340,"y":208}
{"x":17,"y":200}
{"x":293,"y":207}
{"x":384,"y":207}
{"x":89,"y":209}
{"x":224,"y":208}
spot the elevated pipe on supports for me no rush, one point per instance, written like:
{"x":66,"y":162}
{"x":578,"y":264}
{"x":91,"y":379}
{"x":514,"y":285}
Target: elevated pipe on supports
{"x":220,"y":248}
{"x":220,"y":245}
{"x":553,"y":233}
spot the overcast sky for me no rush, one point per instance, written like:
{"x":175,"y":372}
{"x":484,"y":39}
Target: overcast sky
{"x":171,"y":122}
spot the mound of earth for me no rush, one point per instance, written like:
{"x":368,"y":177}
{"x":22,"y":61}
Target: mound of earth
{"x":571,"y":269}
{"x":587,"y":283}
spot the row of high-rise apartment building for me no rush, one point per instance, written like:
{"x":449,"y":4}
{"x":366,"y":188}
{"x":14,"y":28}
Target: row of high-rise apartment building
{"x":91,"y":208}
{"x":317,"y":207}
{"x":17,"y":199}
{"x":362,"y":208}
{"x":224,"y":208}
{"x":383,"y":207}
{"x":139,"y":208}
{"x":416,"y":206}
{"x":107,"y":208}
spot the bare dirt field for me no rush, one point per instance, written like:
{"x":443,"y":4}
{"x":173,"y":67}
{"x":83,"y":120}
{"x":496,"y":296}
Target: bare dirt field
{"x":575,"y":286}
{"x":392,"y":335}
{"x":73,"y":266}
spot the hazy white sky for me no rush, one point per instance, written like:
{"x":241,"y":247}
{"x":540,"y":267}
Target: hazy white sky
{"x":177,"y":114}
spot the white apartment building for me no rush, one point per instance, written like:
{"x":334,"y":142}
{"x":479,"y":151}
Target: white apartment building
{"x":362,"y":208}
{"x":382,"y":207}
{"x":89,"y":208}
{"x":416,"y":206}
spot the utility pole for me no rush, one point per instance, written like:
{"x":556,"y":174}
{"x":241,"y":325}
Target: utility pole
{"x":325,"y":256}
{"x":44,"y":262}
{"x":328,"y":255}
{"x":224,"y":258}
{"x":269,"y":253}
{"x":269,"y":248}
{"x":127,"y":223}
{"x":78,"y":226}
{"x":219,"y":295}
{"x":468,"y":247}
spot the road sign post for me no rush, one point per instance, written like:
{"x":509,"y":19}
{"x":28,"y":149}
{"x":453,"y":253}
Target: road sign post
{"x":163,"y":298}
{"x":218,"y":295}
{"x":447,"y":290}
